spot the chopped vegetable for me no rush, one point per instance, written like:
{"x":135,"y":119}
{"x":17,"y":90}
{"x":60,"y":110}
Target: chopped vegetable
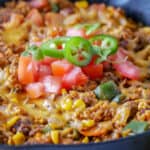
{"x":129,"y":70}
{"x":85,"y":140}
{"x":33,"y":51}
{"x":74,"y":78}
{"x":67,"y":104}
{"x":88,"y":123}
{"x":52,"y":84}
{"x":118,"y":98}
{"x":92,"y":70}
{"x":106,"y":91}
{"x":26,"y":70}
{"x":81,"y":4}
{"x":43,"y":70}
{"x":125,"y":67}
{"x":35,"y":90}
{"x":55,"y":136}
{"x":54,"y":47}
{"x":137,"y":126}
{"x":47,"y":129}
{"x":78,"y":51}
{"x":79,"y":104}
{"x":104,"y":45}
{"x":55,"y":7}
{"x":47,"y":60}
{"x":18,"y":138}
{"x":12,"y":121}
{"x":60,"y":67}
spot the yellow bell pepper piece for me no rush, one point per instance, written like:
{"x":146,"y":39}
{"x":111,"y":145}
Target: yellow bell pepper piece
{"x":85,"y":140}
{"x":18,"y":138}
{"x":79,"y":104}
{"x":12,"y":121}
{"x":67,"y":104}
{"x":88,"y":123}
{"x":81,"y":4}
{"x":55,"y":136}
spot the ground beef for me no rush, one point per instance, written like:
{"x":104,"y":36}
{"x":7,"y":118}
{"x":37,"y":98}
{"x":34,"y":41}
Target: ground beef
{"x":101,"y":111}
{"x":23,"y":125}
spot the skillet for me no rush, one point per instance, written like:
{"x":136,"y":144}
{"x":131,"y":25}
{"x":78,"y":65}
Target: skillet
{"x":139,"y":10}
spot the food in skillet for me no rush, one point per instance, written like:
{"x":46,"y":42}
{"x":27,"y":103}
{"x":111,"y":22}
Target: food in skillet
{"x":71,"y":73}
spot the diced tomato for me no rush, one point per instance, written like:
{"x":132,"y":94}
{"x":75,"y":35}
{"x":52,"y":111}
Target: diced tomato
{"x":52,"y":84}
{"x":74,"y":78}
{"x":39,"y":4}
{"x":128,"y":70}
{"x":43,"y":70}
{"x":35,"y":90}
{"x":48,"y":60}
{"x":76,"y":32}
{"x":60,"y":67}
{"x":92,"y":70}
{"x":35,"y":17}
{"x":26,"y":70}
{"x":125,"y":67}
{"x":121,"y":54}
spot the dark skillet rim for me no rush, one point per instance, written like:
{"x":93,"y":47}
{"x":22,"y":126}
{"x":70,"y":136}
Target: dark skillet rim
{"x":121,"y":140}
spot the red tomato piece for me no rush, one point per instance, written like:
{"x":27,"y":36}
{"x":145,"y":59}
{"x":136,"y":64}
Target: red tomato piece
{"x":26,"y":70}
{"x":43,"y":70}
{"x":60,"y":67}
{"x":120,"y":55}
{"x":92,"y":70}
{"x":128,"y":70}
{"x":39,"y":4}
{"x":35,"y":17}
{"x":125,"y":67}
{"x":35,"y":90}
{"x":48,"y":60}
{"x":74,"y":78}
{"x":76,"y":32}
{"x":52,"y":84}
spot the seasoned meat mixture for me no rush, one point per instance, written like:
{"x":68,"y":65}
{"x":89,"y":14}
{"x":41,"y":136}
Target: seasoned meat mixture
{"x":71,"y":73}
